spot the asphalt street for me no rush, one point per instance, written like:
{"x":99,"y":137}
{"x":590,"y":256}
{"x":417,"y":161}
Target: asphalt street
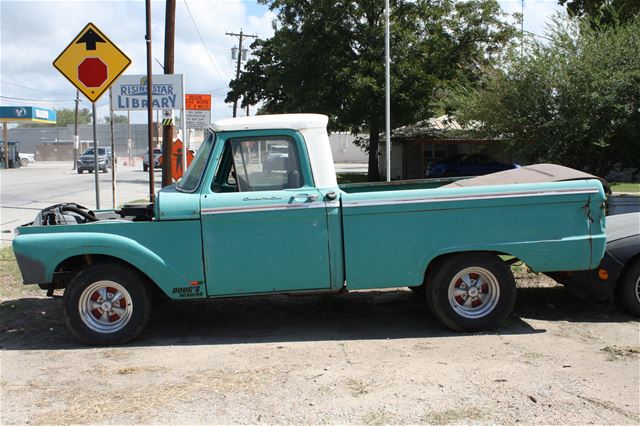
{"x":27,"y":190}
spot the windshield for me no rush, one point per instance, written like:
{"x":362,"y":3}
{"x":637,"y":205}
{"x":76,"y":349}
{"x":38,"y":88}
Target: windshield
{"x":191,"y":178}
{"x":90,"y":151}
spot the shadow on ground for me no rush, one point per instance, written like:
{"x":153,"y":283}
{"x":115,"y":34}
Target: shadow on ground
{"x":36,"y":323}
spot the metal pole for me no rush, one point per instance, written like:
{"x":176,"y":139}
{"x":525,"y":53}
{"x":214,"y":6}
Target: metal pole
{"x":76,"y":137}
{"x":95,"y":155}
{"x":387,"y":89}
{"x":152,"y":194}
{"x":129,"y":136}
{"x":113,"y":152}
{"x":5,"y":138}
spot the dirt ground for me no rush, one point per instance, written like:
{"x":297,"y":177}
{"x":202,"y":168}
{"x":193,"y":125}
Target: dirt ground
{"x":373,"y":357}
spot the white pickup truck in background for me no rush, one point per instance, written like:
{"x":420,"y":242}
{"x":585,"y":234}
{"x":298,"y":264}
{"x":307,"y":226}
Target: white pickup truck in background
{"x":26,"y":159}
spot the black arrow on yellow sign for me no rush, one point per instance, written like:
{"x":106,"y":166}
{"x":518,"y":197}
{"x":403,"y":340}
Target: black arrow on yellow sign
{"x":90,"y":38}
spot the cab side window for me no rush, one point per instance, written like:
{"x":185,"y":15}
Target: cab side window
{"x":259,"y":164}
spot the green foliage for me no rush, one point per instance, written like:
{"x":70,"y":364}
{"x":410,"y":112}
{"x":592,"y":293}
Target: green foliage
{"x":117,"y":119}
{"x":573,"y":101}
{"x":65,"y":117}
{"x":328,"y":57}
{"x":603,"y":12}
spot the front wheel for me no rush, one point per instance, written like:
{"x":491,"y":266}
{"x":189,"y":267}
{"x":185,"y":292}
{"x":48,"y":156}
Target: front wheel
{"x":628,"y":288}
{"x":24,"y":162}
{"x":472,"y":292}
{"x":107,"y":304}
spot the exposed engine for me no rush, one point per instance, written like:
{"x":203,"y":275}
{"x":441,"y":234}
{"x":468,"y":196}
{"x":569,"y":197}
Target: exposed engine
{"x":73,"y":214}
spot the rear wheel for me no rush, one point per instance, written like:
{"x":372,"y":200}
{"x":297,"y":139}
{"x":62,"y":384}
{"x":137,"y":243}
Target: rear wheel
{"x":107,"y":304}
{"x":628,"y":288}
{"x":80,"y":171}
{"x":471,"y":292}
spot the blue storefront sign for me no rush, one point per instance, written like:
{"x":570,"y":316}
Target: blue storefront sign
{"x":32,"y":114}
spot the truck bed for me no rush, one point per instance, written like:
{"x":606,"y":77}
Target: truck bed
{"x":397,"y":185}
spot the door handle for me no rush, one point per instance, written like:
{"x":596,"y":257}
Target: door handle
{"x":312,"y":197}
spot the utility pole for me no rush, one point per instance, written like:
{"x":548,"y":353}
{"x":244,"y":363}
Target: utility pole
{"x":76,"y":137}
{"x":152,"y":189}
{"x":167,"y":131}
{"x":240,"y":36}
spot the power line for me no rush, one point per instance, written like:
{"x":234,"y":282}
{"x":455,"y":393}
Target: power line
{"x":202,"y":41}
{"x":37,"y":100}
{"x":220,"y":20}
{"x":31,"y":88}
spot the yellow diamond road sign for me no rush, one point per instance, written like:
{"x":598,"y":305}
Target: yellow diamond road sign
{"x":92,"y":62}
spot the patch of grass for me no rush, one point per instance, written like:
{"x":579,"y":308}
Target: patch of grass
{"x":11,"y":286}
{"x":357,"y":387}
{"x":468,"y":415}
{"x":620,"y":352}
{"x":351,"y":178}
{"x":625,"y":187}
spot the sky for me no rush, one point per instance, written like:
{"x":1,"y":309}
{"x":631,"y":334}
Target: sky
{"x":33,"y":33}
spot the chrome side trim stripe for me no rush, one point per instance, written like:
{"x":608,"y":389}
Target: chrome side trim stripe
{"x":366,"y":203}
{"x":263,"y":208}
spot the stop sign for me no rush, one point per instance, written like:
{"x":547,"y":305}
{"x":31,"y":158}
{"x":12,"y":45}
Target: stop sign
{"x":92,"y":72}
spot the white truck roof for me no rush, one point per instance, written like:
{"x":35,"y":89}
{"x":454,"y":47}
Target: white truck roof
{"x":313,"y":128}
{"x":275,"y":121}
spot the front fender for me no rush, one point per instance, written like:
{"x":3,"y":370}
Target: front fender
{"x":38,"y":264}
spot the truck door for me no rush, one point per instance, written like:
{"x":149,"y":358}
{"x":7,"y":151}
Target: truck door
{"x":264,"y":223}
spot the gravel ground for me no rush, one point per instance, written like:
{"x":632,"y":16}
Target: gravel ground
{"x":371,"y":357}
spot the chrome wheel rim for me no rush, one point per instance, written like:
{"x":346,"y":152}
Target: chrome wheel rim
{"x":474,"y":292}
{"x":105,"y":306}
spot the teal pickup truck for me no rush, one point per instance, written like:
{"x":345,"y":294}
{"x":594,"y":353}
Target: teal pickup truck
{"x":259,"y":211}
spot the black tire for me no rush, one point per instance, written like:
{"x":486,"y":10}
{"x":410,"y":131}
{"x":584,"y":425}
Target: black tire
{"x":83,"y":304}
{"x":145,"y":168}
{"x":628,"y":288}
{"x":459,"y":305}
{"x":104,"y":170}
{"x":418,"y":289}
{"x":80,"y":171}
{"x":24,"y":162}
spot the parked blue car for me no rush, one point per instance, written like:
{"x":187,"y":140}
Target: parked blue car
{"x":466,"y":165}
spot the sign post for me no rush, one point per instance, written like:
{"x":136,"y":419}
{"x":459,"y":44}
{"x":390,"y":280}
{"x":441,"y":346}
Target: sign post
{"x":91,"y":62}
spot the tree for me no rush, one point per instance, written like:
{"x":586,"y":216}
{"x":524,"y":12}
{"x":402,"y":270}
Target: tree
{"x":328,"y":57}
{"x":65,"y":117}
{"x":603,"y":12}
{"x":117,"y":119}
{"x":574,"y":100}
